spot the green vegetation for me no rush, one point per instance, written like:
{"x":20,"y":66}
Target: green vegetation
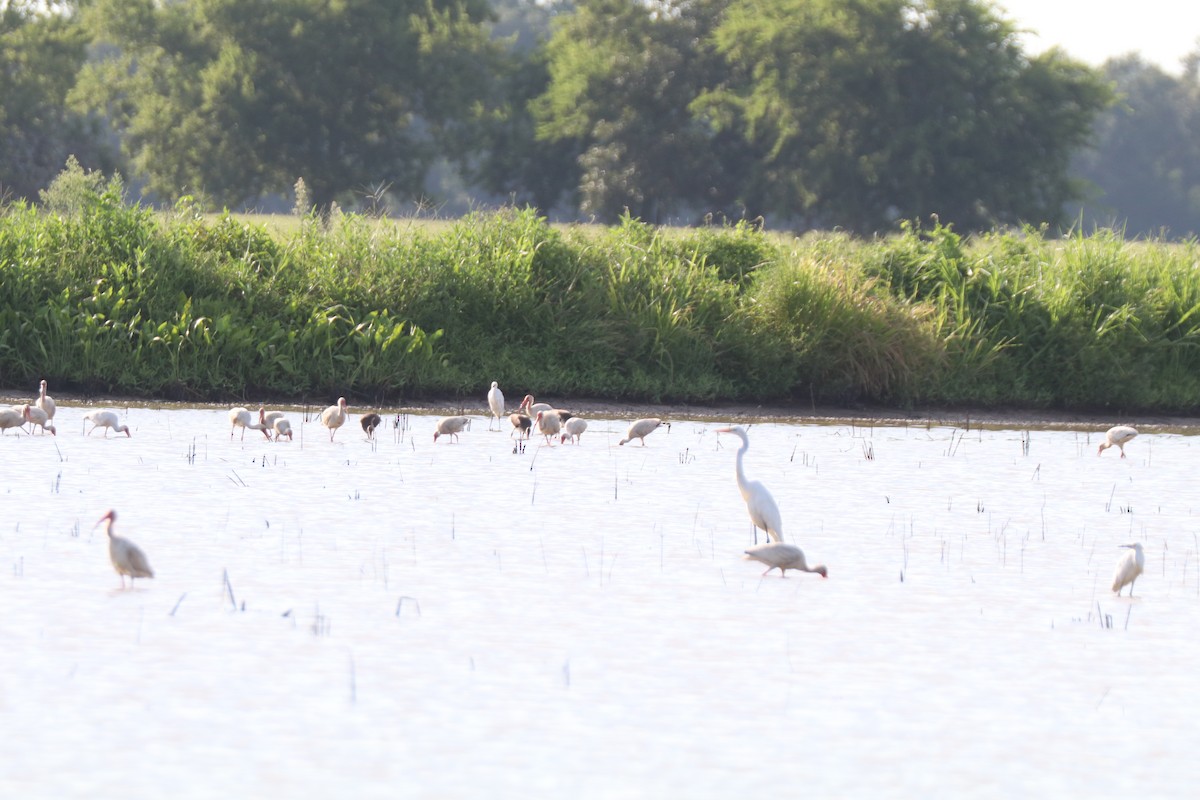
{"x":103,"y":296}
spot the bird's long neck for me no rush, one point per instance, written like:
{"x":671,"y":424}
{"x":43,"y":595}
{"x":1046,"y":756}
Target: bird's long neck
{"x":741,"y":471}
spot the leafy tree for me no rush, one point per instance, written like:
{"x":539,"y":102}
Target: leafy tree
{"x":237,"y":98}
{"x":1145,"y":161}
{"x":42,"y":46}
{"x":867,"y":111}
{"x":622,"y":77}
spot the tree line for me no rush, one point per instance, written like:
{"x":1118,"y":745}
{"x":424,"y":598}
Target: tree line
{"x":847,"y":114}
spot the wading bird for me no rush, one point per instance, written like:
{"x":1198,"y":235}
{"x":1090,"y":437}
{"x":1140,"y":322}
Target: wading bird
{"x":1119,"y":436}
{"x":451,"y":426}
{"x":521,"y":425}
{"x":531,"y":408}
{"x":36,"y":416}
{"x":11,"y":418}
{"x":240,"y":417}
{"x":334,"y":417}
{"x":573,"y":428}
{"x":109,"y":421}
{"x":1128,"y":568}
{"x":548,"y":424}
{"x":764,"y":513}
{"x":127,"y":558}
{"x":45,"y":402}
{"x":369,"y":423}
{"x":282,"y":428}
{"x":783,"y":556}
{"x":643,"y":428}
{"x":267,"y":418}
{"x":495,"y":399}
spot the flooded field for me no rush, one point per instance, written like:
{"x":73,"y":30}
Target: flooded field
{"x":405,"y":618}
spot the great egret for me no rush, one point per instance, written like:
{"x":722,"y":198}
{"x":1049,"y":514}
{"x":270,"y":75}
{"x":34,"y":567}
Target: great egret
{"x":45,"y":402}
{"x":107,"y":420}
{"x":240,"y":417}
{"x":127,"y":558}
{"x":495,"y":399}
{"x":643,"y":428}
{"x":1128,"y":568}
{"x":783,"y":556}
{"x":573,"y":428}
{"x":764,"y":513}
{"x":334,"y":417}
{"x":451,"y":426}
{"x":1117,"y":435}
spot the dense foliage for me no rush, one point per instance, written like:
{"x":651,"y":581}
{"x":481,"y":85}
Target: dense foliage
{"x":104,"y":296}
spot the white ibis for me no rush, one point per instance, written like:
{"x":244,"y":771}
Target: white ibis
{"x":1128,"y":568}
{"x":573,"y":428}
{"x":282,"y":428}
{"x":548,"y":424}
{"x":127,"y":558}
{"x":240,"y":417}
{"x":1117,"y":435}
{"x":783,"y":556}
{"x":267,"y":418}
{"x":107,"y":420}
{"x":495,"y":399}
{"x":451,"y":426}
{"x":521,"y":425}
{"x":45,"y":402}
{"x":764,"y":513}
{"x":11,"y":418}
{"x":369,"y":423}
{"x":643,"y":428}
{"x":334,"y":417}
{"x":37,"y":416}
{"x":531,"y":408}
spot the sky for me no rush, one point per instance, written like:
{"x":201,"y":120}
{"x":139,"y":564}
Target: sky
{"x":1161,"y":31}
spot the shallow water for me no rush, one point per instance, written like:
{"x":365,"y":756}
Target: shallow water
{"x":404,"y":618}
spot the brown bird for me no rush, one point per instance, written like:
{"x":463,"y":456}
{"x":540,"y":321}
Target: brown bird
{"x":451,"y":426}
{"x":521,"y":425}
{"x":334,"y":417}
{"x":127,"y":558}
{"x":783,"y":556}
{"x":369,"y":423}
{"x":643,"y":428}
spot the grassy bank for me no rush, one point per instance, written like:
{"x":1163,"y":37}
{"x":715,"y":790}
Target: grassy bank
{"x":108,"y":297}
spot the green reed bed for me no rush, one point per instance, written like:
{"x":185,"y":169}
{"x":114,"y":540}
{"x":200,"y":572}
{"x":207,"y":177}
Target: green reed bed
{"x":104,"y":296}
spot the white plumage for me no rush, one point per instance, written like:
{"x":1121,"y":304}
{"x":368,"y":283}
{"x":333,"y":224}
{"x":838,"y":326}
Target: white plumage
{"x":548,"y":423}
{"x":642,"y":428}
{"x":764,"y":513}
{"x":495,"y":399}
{"x":451,"y":426}
{"x":783,"y":556}
{"x":37,"y":416}
{"x":45,"y":402}
{"x":1128,"y":568}
{"x":1117,"y":435}
{"x":107,"y":420}
{"x":240,"y":417}
{"x":334,"y":417}
{"x":127,"y":558}
{"x":573,"y":428}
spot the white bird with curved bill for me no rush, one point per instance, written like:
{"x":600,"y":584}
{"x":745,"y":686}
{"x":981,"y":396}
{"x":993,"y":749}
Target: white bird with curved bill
{"x":334,"y":416}
{"x":495,"y":399}
{"x":530,"y":408}
{"x":107,"y":420}
{"x":11,"y":418}
{"x":642,"y":428}
{"x":267,"y":418}
{"x":783,"y":556}
{"x":240,"y":417}
{"x":573,"y":428}
{"x":451,"y":426}
{"x":36,"y":416}
{"x":1119,"y":436}
{"x":1129,"y":567}
{"x":127,"y":558}
{"x":45,"y":402}
{"x":764,"y":512}
{"x":282,"y":428}
{"x":548,"y":424}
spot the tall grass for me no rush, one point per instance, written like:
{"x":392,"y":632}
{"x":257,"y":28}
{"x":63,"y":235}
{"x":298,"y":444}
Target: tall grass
{"x":104,"y":296}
